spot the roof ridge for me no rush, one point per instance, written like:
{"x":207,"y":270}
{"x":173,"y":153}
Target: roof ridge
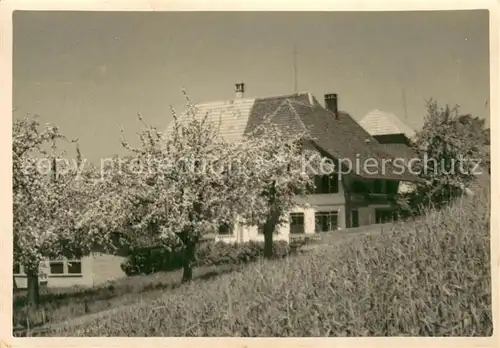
{"x":224,"y":102}
{"x":231,"y":101}
{"x":287,"y":95}
{"x":289,"y":103}
{"x":272,"y":114}
{"x":300,"y":103}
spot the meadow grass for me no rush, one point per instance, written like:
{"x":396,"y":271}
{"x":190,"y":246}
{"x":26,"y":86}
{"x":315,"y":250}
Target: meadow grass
{"x":61,"y":304}
{"x":430,"y":277}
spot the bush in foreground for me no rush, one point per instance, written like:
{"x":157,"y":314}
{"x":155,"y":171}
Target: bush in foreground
{"x":428,"y":278}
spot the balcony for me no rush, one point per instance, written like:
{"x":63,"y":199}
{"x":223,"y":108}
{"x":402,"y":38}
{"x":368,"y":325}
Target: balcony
{"x":373,"y":198}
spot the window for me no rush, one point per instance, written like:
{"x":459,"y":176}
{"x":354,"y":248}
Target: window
{"x":358,"y":186}
{"x":378,"y":186}
{"x":297,"y":223}
{"x":384,"y":216}
{"x":225,"y":229}
{"x":392,"y":187}
{"x":260,"y":229}
{"x":326,"y":221}
{"x":56,"y":267}
{"x":326,"y":183}
{"x":355,"y":218}
{"x":65,"y":267}
{"x":74,"y":267}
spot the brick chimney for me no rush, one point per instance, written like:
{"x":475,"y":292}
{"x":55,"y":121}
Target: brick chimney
{"x":331,"y":103}
{"x":240,"y":90}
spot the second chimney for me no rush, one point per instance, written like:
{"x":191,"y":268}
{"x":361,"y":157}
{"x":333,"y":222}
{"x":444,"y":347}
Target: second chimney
{"x":240,"y":90}
{"x":331,"y":103}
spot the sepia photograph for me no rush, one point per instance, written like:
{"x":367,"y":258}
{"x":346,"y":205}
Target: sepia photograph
{"x":251,"y":174}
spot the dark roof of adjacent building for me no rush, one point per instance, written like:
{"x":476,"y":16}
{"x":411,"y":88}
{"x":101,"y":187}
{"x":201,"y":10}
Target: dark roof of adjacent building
{"x":399,"y":150}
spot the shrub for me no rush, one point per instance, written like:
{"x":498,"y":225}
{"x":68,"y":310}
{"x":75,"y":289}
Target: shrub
{"x":151,"y":260}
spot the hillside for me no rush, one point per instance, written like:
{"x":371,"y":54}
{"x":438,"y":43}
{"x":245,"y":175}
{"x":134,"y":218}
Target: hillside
{"x":426,"y":278}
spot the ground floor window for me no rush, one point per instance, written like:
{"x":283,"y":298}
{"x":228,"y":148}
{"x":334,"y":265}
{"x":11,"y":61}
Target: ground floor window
{"x":225,"y":229}
{"x":74,"y":267}
{"x":17,"y":269}
{"x":297,"y":223}
{"x":385,"y":215}
{"x":56,"y":267}
{"x":326,"y":221}
{"x":355,"y":218}
{"x":63,"y":267}
{"x":260,"y":229}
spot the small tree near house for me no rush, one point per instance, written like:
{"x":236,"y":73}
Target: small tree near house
{"x":192,"y":181}
{"x":185,"y":187}
{"x":285,"y":169}
{"x":50,"y":199}
{"x":451,"y":149}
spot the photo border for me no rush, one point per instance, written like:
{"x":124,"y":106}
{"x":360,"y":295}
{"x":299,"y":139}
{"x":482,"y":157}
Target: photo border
{"x":6,"y":9}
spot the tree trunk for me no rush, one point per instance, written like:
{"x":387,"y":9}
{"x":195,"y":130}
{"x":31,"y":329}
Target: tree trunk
{"x":268,"y":243}
{"x":33,"y":286}
{"x":271,"y":222}
{"x":269,"y":228}
{"x":188,"y":260}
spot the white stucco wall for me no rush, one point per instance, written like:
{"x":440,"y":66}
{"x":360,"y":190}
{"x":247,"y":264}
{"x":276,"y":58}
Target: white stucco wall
{"x":313,"y":203}
{"x":86,"y":278}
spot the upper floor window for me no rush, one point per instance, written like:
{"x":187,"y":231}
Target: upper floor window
{"x":378,"y":186}
{"x":358,"y":186}
{"x":326,"y":184}
{"x":392,"y":187}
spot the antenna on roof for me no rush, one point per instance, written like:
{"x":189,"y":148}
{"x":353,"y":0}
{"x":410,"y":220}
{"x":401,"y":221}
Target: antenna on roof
{"x":295,"y":68}
{"x":404,"y":104}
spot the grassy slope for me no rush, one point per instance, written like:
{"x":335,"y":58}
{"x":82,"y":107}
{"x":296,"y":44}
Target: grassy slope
{"x":430,"y":278}
{"x":62,"y":304}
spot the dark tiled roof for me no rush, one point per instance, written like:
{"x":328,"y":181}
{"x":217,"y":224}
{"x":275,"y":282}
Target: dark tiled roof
{"x":399,"y":150}
{"x":341,"y":137}
{"x":275,"y":107}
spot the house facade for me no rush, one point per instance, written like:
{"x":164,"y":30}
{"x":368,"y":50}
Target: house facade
{"x":350,"y":198}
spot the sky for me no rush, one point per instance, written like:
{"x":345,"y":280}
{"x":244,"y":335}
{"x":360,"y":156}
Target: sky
{"x":92,"y":72}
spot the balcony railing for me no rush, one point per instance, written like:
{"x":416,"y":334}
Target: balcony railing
{"x":373,"y":198}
